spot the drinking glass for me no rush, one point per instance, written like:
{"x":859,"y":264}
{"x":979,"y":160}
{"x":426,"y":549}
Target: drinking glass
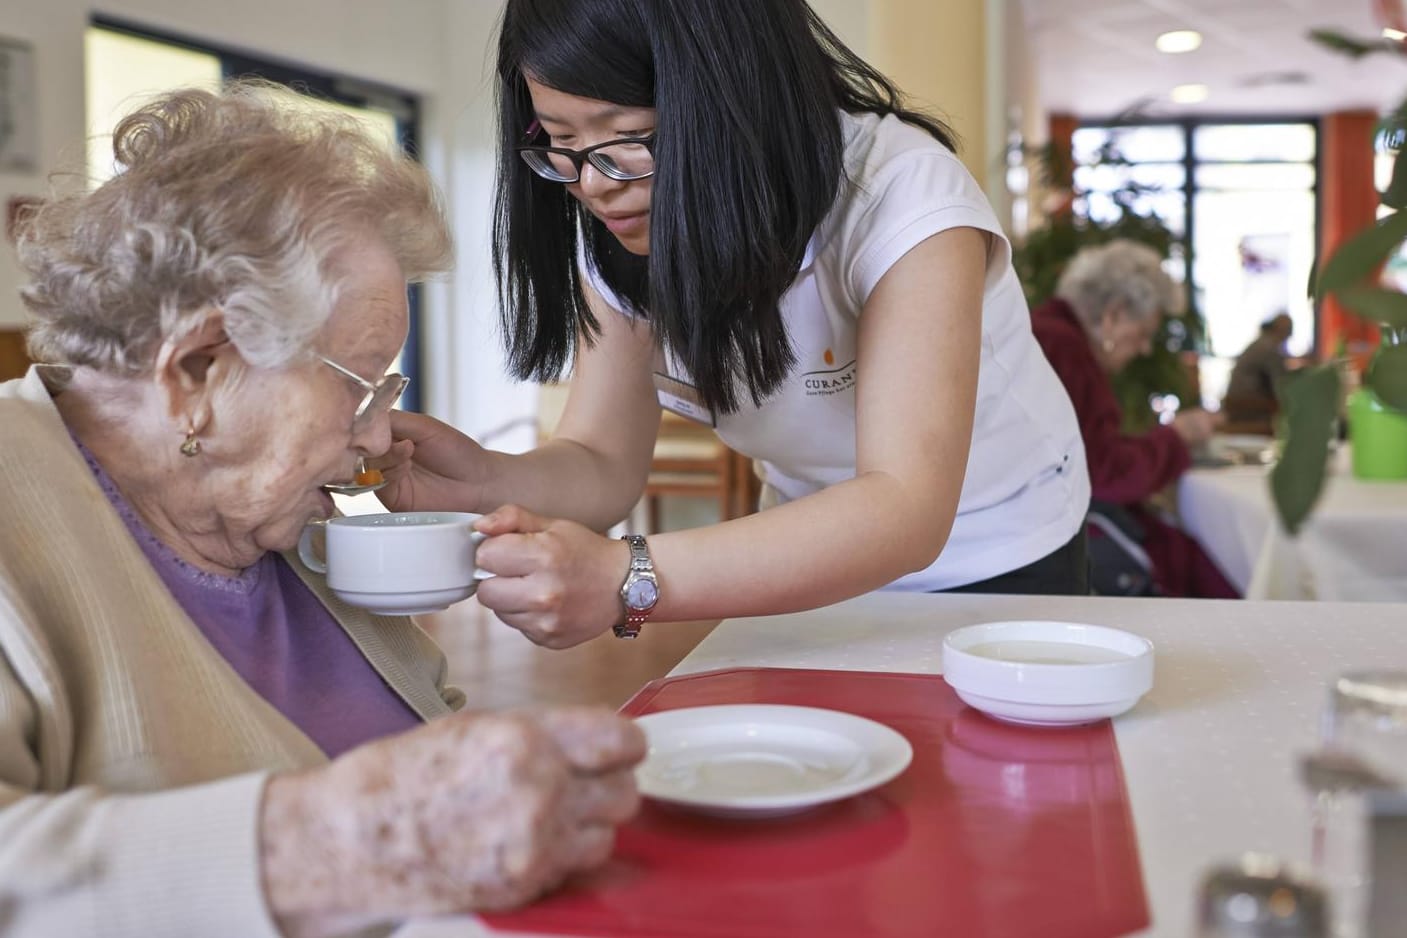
{"x":1364,"y":738}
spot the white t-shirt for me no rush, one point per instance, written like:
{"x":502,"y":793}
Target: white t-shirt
{"x":1026,"y":490}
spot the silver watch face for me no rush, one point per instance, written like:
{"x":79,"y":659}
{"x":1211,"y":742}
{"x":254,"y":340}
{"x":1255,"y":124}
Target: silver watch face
{"x":642,"y":594}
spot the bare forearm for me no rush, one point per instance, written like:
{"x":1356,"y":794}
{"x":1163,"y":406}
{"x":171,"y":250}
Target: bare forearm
{"x":563,"y":479}
{"x":838,"y":543}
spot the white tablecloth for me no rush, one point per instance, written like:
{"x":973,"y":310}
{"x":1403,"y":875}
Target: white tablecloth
{"x":1208,"y":755}
{"x":1353,"y":548}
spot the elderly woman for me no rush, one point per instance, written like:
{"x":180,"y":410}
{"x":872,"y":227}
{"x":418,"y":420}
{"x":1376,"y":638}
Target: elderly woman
{"x":195,"y":737}
{"x":1109,"y":305}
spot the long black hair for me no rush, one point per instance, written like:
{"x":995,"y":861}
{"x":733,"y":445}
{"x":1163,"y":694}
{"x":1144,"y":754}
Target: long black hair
{"x":748,"y":161}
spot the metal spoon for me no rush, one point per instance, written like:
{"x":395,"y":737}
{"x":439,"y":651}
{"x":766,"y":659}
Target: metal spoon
{"x":352,"y":488}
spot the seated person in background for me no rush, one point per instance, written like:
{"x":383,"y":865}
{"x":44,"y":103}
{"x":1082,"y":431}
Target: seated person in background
{"x":196,"y":738}
{"x":1251,"y":396}
{"x":1108,"y":306}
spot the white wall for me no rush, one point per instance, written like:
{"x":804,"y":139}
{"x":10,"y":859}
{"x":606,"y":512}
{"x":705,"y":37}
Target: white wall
{"x":55,"y":29}
{"x":849,"y":19}
{"x":960,"y":58}
{"x":463,"y":345}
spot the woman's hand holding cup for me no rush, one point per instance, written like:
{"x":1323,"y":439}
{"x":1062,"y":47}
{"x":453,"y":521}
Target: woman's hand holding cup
{"x":556,"y":581}
{"x":472,"y":812}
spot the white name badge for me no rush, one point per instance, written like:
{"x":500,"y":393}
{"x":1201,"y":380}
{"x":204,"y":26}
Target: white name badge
{"x":683,"y":399}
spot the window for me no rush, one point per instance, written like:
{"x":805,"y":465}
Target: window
{"x":121,"y":70}
{"x":1254,"y":237}
{"x":1242,"y":195}
{"x":1156,"y":158}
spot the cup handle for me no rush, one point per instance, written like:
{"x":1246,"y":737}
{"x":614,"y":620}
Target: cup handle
{"x":305,"y":548}
{"x":477,"y":538}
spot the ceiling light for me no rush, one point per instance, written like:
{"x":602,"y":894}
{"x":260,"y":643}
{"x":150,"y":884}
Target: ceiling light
{"x":1395,"y":35}
{"x":1179,"y":40}
{"x":1189,"y":94}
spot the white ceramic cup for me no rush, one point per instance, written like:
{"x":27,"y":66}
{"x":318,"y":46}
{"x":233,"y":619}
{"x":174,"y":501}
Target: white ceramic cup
{"x":402,"y":563}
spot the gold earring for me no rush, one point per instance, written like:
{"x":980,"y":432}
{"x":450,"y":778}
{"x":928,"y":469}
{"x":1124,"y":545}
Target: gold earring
{"x":190,"y":446}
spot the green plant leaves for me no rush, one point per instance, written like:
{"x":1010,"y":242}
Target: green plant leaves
{"x":1358,"y":257}
{"x":1387,"y":307}
{"x":1311,"y":398}
{"x":1387,"y":375}
{"x":1338,"y":42}
{"x":1311,"y":402}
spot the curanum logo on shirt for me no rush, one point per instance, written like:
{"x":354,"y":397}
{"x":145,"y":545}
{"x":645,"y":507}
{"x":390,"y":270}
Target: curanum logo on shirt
{"x":831,"y":379}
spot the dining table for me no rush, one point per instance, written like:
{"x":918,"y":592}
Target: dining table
{"x":1209,"y":757}
{"x":1353,"y":547}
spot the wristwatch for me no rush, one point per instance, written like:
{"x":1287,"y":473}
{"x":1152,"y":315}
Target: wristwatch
{"x":640,"y":591}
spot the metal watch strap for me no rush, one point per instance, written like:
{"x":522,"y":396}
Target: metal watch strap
{"x":640,"y":567}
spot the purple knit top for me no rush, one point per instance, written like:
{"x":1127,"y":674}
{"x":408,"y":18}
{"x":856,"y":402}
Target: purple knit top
{"x":280,"y":638}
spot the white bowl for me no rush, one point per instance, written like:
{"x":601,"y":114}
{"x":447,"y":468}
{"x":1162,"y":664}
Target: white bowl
{"x":1047,"y":673}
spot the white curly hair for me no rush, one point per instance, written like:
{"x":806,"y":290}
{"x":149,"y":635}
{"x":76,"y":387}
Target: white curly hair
{"x":1121,"y":273}
{"x":239,"y":201}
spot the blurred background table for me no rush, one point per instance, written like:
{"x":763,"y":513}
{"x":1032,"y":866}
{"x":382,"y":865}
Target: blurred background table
{"x":1353,"y":548}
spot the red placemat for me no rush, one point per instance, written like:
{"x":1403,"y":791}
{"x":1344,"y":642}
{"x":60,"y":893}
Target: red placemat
{"x":993,"y":830}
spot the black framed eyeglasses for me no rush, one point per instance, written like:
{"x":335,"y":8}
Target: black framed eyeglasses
{"x":381,"y":395}
{"x":625,"y":159}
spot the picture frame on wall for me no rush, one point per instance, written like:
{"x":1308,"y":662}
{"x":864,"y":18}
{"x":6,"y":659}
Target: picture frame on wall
{"x":19,"y":107}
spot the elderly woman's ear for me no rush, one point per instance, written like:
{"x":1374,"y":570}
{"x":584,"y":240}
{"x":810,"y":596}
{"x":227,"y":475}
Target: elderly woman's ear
{"x":190,"y":368}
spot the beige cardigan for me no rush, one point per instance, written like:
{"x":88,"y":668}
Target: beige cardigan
{"x":132,"y":756}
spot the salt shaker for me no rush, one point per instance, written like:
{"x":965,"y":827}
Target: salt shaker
{"x":1258,"y":897}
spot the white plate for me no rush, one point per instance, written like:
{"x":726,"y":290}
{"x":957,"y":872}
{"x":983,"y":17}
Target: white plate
{"x":1048,"y":673}
{"x":763,"y":760}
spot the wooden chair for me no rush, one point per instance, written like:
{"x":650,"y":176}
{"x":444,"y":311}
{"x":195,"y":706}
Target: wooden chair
{"x":14,"y":359}
{"x":690,"y":460}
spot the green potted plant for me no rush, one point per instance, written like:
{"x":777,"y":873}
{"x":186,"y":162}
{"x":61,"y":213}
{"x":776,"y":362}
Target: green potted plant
{"x":1042,"y":255}
{"x":1377,"y":413}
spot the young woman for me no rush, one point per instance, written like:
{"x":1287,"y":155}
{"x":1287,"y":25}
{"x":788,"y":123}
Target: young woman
{"x":715,"y":206}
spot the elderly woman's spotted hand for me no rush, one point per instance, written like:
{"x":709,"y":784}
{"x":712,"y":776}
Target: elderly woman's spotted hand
{"x":472,"y":812}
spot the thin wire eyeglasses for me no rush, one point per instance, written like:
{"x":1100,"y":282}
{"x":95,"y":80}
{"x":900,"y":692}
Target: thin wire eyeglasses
{"x":624,"y":159}
{"x":381,"y":395}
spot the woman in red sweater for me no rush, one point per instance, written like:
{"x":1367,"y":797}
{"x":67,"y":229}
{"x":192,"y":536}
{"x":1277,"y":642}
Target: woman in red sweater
{"x":1108,"y":307}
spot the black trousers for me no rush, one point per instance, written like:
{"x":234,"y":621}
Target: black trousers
{"x":1063,"y":572}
